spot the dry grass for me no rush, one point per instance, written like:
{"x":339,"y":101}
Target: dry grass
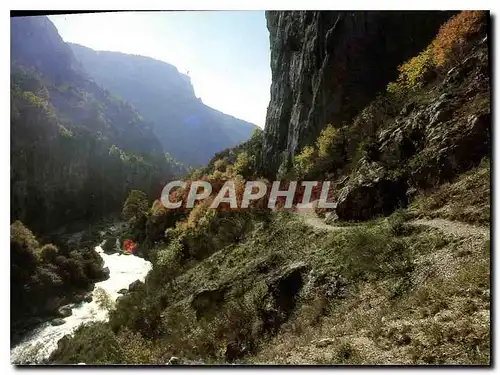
{"x":442,"y":318}
{"x":466,"y":199}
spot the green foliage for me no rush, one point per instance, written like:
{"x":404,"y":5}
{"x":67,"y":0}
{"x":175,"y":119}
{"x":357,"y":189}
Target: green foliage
{"x":49,"y":253}
{"x":446,"y":50}
{"x":33,"y":99}
{"x":326,"y":140}
{"x":373,"y":253}
{"x":170,"y":256}
{"x":75,"y":154}
{"x":103,"y":299}
{"x":136,"y":204}
{"x":176,"y":168}
{"x":242,"y":163}
{"x":304,"y":162}
{"x":412,"y":74}
{"x":22,"y":239}
{"x":95,"y":342}
{"x":44,"y":277}
{"x":241,"y":160}
{"x":65,"y":132}
{"x":220,"y":165}
{"x":396,"y":222}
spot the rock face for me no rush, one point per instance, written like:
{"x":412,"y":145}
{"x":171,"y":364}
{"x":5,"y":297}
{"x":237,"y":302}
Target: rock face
{"x":326,"y":66}
{"x":282,"y":293}
{"x":427,"y":144}
{"x":367,"y":197}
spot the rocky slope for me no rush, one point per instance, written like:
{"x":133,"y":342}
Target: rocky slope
{"x":438,"y":134}
{"x":190,"y":130}
{"x":327,"y":66}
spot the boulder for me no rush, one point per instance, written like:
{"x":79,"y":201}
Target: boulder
{"x":105,"y":273}
{"x":135,"y":286}
{"x":65,"y":311}
{"x":364,"y":201}
{"x":123,"y":291}
{"x":88,"y":298}
{"x":174,"y":361}
{"x":57,"y":322}
{"x":283,"y":289}
{"x":323,"y":343}
{"x":206,"y":301}
{"x":235,"y":350}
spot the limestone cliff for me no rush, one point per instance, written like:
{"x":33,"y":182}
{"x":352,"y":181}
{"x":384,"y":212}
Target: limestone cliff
{"x":326,"y":66}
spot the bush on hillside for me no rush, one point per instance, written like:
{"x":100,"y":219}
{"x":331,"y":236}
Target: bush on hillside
{"x":303,"y":163}
{"x":447,"y":49}
{"x":136,"y":203}
{"x":448,"y":46}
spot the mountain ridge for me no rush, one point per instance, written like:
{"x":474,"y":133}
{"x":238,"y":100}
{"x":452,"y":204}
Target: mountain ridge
{"x":189,"y":129}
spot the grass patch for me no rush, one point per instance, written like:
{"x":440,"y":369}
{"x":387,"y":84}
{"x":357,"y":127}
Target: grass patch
{"x":466,"y":199}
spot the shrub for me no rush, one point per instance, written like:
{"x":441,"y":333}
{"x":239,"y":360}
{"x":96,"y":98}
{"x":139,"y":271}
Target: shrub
{"x":447,"y":48}
{"x":93,"y":343}
{"x":396,"y":222}
{"x":48,"y":277}
{"x":303,"y":163}
{"x":136,"y":203}
{"x":220,"y":165}
{"x":372,"y":253}
{"x":23,"y":246}
{"x":326,"y":140}
{"x":136,"y":349}
{"x":448,"y":45}
{"x":103,"y":299}
{"x":412,"y":73}
{"x":241,"y":166}
{"x":170,"y":256}
{"x":49,"y":253}
{"x":22,"y":237}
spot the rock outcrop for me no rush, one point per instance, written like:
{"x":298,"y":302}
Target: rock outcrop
{"x":326,"y":66}
{"x":283,"y":289}
{"x":428,"y":143}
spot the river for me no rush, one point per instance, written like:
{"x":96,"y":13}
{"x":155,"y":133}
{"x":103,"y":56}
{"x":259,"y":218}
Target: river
{"x":42,"y":341}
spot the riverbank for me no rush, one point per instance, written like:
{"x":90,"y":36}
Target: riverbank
{"x":37,"y":346}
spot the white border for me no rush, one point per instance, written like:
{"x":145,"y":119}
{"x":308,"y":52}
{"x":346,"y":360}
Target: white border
{"x":185,"y":5}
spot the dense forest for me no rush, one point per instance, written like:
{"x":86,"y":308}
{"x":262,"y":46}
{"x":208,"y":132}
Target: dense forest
{"x":397,"y":273}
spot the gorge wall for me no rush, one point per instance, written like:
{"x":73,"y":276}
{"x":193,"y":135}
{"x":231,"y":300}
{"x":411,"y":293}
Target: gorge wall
{"x":326,"y":66}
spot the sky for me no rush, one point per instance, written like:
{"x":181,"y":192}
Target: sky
{"x":225,"y":52}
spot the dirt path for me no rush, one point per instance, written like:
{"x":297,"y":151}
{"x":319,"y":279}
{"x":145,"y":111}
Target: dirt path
{"x":454,"y":228}
{"x":312,"y":219}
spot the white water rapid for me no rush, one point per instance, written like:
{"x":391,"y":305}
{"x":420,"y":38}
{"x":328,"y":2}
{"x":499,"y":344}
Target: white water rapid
{"x":39,"y":344}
